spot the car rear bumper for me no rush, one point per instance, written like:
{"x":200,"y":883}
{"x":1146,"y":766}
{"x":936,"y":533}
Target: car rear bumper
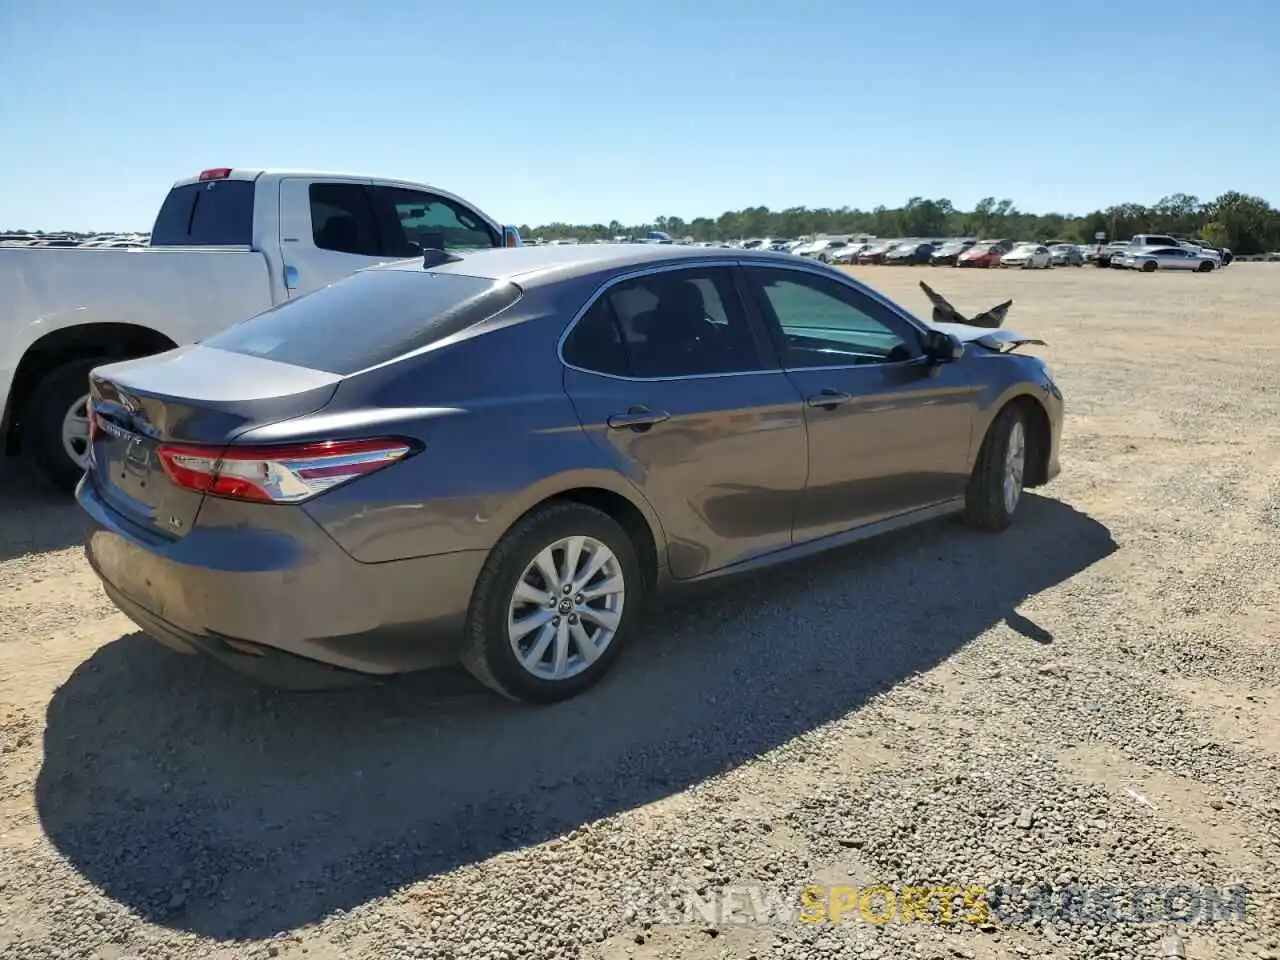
{"x":278,"y":599}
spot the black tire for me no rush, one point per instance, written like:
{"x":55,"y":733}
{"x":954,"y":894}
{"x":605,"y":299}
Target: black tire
{"x":984,"y":503}
{"x":1205,"y":267}
{"x":1149,"y":267}
{"x":487,"y":652}
{"x":42,"y":419}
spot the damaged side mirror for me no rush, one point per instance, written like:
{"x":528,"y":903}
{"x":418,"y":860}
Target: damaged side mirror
{"x":942,"y":347}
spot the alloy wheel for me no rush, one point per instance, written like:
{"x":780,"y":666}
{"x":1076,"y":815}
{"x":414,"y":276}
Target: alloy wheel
{"x":566,"y":607}
{"x":75,"y":432}
{"x":1015,"y":463}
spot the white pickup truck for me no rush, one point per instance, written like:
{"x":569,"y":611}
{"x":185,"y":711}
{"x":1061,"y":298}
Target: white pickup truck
{"x":226,"y":245}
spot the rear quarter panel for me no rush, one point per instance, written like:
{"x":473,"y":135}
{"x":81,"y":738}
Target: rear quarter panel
{"x":499,"y":436}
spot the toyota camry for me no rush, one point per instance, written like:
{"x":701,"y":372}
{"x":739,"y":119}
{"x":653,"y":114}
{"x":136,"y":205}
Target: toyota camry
{"x":496,"y":458}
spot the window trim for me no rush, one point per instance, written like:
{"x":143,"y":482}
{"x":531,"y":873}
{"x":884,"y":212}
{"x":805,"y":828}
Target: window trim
{"x":913,"y":325}
{"x":763,"y":341}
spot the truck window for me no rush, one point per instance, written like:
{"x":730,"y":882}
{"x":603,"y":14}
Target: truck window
{"x":342,"y":219}
{"x":214,"y":213}
{"x":413,"y":221}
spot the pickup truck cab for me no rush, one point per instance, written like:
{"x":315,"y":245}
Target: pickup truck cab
{"x":226,"y":245}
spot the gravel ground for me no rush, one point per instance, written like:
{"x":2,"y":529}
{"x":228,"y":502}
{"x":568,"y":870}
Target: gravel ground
{"x":1088,"y":699}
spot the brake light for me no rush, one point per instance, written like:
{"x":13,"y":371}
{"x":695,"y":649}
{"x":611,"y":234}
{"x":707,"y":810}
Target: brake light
{"x":289,"y":473}
{"x":215,"y":173}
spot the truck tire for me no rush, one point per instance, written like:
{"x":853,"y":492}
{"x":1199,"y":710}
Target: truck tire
{"x":50,"y":436}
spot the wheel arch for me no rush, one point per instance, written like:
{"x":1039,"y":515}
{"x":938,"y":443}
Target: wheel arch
{"x":608,"y":494}
{"x":108,"y":341}
{"x":1039,"y":436}
{"x":1039,"y":433}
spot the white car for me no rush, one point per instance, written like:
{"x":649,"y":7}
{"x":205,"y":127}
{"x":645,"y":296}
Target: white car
{"x":1029,"y":256}
{"x":226,"y":245}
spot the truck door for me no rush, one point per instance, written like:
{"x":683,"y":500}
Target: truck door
{"x":327,"y":231}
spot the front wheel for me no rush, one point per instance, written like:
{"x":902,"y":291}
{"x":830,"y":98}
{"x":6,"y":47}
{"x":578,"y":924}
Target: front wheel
{"x":553,"y":605}
{"x":55,"y":424}
{"x":1204,"y":267}
{"x":995,"y":486}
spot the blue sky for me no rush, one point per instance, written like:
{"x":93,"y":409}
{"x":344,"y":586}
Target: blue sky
{"x":588,"y":111}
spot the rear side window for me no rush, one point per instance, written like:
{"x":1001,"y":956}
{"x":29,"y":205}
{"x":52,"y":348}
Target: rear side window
{"x":210,"y":214}
{"x":596,"y":343}
{"x":342,"y":219}
{"x":367,"y":319}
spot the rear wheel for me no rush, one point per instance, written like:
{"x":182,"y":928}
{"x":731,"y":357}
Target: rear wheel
{"x":55,"y":424}
{"x":1149,"y":267}
{"x":554,"y":604}
{"x":995,"y":486}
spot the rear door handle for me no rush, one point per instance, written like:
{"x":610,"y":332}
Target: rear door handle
{"x":829,"y":399}
{"x":638,"y":419}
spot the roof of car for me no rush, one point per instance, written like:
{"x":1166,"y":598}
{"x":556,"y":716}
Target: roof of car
{"x":561,"y":262}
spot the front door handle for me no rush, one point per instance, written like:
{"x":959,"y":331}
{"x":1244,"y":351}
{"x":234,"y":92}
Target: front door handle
{"x":829,"y":399}
{"x":638,"y":419}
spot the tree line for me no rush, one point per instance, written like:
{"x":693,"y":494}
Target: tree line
{"x":1245,"y":224}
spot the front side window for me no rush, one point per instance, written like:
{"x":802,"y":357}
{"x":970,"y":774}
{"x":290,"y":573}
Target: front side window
{"x":417,"y":221}
{"x":823,"y":323}
{"x":677,"y":323}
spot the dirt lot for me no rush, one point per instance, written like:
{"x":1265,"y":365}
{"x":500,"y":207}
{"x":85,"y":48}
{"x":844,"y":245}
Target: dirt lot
{"x":1092,"y":698}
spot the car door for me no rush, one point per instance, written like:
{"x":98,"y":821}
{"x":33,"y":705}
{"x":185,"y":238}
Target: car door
{"x":889,"y":430}
{"x":679,"y":388}
{"x":327,"y":231}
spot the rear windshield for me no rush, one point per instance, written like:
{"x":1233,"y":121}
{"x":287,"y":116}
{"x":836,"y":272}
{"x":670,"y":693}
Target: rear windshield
{"x":367,"y":319}
{"x":215,"y":213}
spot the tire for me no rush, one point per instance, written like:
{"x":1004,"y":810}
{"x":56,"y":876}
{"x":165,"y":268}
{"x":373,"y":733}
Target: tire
{"x":986,"y":506}
{"x":1205,"y":267}
{"x":1149,"y":267}
{"x":490,"y":654}
{"x":43,"y":421}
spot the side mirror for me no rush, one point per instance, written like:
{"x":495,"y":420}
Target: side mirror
{"x":942,"y":347}
{"x":511,"y":237}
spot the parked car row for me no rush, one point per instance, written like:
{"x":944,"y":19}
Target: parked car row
{"x":956,"y":252}
{"x":67,"y":240}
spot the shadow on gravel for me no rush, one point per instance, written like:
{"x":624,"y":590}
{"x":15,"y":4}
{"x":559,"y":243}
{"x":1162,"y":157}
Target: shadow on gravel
{"x":209,"y":805}
{"x":34,"y":518}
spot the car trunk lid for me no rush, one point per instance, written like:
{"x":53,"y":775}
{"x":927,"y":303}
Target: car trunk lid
{"x":191,"y":396}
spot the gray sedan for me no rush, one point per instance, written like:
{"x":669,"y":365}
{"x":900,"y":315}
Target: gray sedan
{"x":496,"y":458}
{"x":1150,"y":259}
{"x":1066,"y":255}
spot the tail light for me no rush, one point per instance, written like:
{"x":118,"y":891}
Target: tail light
{"x":215,"y":173}
{"x":289,"y":473}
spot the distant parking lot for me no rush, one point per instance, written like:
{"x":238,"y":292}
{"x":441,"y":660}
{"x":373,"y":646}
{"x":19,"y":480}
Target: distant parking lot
{"x":1089,"y":700}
